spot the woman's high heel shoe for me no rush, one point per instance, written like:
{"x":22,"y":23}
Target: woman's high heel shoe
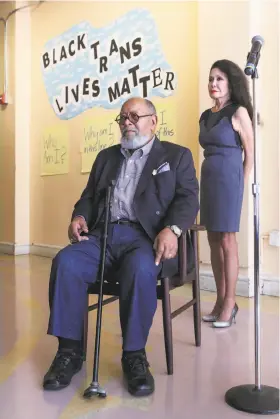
{"x":222,"y":324}
{"x":210,"y":318}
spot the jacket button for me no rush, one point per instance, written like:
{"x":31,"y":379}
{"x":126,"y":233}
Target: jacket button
{"x":157,"y":212}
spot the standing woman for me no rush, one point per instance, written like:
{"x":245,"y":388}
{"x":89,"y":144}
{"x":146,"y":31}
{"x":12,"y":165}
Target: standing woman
{"x":226,"y":135}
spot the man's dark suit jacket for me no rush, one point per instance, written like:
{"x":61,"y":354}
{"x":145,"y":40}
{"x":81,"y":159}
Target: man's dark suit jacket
{"x":168,"y":198}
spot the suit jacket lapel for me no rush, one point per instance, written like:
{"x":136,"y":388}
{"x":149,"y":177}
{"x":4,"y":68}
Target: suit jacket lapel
{"x":156,"y":157}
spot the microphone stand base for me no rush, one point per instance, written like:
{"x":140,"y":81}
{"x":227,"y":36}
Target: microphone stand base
{"x":248,"y":398}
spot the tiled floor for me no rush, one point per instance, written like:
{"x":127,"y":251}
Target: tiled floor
{"x":201,"y":375}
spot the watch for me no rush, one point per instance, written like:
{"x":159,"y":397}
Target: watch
{"x":176,"y":230}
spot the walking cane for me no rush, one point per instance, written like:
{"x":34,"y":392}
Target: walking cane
{"x":95,"y":389}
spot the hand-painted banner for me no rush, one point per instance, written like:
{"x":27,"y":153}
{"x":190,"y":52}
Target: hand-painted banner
{"x":88,"y":67}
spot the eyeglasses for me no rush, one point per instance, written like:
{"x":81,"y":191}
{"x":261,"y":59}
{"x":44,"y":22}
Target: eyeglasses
{"x":131,"y":116}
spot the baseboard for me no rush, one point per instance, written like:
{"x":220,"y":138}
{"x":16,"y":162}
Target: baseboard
{"x":14,"y":249}
{"x":7,"y":248}
{"x":271,"y":286}
{"x":245,"y":287}
{"x":44,"y":250}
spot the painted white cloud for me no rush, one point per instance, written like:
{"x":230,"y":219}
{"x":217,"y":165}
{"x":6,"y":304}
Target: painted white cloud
{"x":86,"y":67}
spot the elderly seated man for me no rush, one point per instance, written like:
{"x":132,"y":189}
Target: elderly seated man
{"x":154,"y":199}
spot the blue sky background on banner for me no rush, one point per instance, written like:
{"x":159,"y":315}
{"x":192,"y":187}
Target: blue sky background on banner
{"x":70,"y":72}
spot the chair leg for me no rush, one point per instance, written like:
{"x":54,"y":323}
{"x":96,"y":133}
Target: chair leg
{"x":85,"y":332}
{"x":167,"y":325}
{"x":196,"y":293}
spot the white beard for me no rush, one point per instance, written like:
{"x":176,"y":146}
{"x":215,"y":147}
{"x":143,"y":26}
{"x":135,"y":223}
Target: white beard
{"x":137,"y":142}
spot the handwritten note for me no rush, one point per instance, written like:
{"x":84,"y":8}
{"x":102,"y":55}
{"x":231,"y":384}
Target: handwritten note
{"x":55,"y":151}
{"x":166,"y":112}
{"x":99,"y":132}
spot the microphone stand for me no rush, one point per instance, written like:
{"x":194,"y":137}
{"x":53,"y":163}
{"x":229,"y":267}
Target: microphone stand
{"x":255,"y":398}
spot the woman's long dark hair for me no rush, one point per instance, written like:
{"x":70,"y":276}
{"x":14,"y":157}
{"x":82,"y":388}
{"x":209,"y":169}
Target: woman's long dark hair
{"x":238,"y":84}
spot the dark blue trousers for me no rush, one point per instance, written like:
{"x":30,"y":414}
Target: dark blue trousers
{"x":131,"y":257}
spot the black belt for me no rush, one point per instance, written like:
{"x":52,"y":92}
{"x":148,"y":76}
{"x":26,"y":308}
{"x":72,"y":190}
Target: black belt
{"x":125,"y":222}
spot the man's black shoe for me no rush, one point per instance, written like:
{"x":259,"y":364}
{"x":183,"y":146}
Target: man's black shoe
{"x":139,"y":378}
{"x":65,"y":364}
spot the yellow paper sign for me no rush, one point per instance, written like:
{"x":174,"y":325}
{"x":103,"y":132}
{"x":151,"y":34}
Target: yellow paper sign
{"x":55,"y":151}
{"x":99,"y":132}
{"x":166,"y":112}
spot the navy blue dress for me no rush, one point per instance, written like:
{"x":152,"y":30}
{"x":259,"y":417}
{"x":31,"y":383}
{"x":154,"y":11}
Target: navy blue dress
{"x":222,"y":181}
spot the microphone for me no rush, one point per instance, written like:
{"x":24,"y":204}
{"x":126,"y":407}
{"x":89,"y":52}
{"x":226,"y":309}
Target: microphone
{"x":253,"y":55}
